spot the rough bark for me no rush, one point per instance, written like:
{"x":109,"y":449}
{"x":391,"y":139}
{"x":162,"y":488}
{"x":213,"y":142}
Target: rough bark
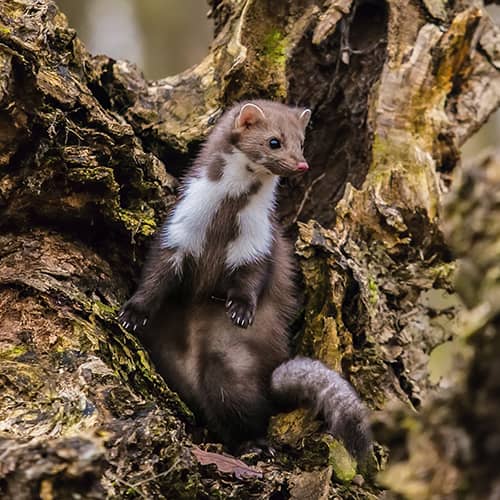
{"x":453,"y":446}
{"x":89,"y":157}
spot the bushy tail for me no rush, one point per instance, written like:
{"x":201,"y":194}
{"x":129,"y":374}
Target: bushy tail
{"x":306,"y":381}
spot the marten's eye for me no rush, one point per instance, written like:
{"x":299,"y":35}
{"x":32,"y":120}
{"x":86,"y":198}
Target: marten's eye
{"x":274,"y":143}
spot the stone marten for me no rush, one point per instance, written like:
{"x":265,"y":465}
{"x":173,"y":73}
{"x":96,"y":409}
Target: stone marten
{"x":217,"y":291}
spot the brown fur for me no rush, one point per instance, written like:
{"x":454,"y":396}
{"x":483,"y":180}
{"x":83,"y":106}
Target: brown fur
{"x":216,"y":168}
{"x":221,"y":370}
{"x":224,"y":371}
{"x":286,"y":126}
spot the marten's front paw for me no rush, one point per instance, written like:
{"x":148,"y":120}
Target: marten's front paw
{"x":133,"y":315}
{"x":240,"y":312}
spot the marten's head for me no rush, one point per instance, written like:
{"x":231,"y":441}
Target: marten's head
{"x":271,"y":135}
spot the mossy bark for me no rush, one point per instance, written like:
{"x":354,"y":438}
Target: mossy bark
{"x":90,"y":154}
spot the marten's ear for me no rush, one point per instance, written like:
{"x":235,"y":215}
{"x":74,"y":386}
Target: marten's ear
{"x":249,"y":115}
{"x":304,"y":118}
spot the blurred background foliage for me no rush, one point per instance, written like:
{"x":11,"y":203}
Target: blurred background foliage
{"x":165,"y":37}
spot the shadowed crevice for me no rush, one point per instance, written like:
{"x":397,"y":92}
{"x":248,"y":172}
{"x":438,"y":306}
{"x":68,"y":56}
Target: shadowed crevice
{"x":347,"y":66}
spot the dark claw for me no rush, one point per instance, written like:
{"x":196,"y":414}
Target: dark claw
{"x":132,"y":317}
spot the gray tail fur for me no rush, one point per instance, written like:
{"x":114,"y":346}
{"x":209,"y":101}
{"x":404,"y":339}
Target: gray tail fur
{"x":306,"y":381}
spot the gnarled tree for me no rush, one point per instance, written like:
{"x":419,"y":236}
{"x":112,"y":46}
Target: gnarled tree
{"x":90,"y":153}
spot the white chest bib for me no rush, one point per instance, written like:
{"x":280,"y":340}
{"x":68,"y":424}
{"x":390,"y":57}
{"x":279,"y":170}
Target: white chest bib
{"x":187,"y":227}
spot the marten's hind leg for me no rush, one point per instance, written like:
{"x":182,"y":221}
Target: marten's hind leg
{"x":235,"y":402}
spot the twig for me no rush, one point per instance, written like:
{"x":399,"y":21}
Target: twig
{"x":128,"y":485}
{"x":306,"y":195}
{"x":152,"y":478}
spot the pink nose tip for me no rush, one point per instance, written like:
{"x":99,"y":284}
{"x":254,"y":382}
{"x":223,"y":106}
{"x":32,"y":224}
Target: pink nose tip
{"x":302,"y":167}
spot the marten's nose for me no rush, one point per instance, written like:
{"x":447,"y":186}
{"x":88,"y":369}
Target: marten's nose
{"x":302,"y":167}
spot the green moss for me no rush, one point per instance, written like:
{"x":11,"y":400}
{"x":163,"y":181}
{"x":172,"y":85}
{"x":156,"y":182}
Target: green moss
{"x":266,"y":73}
{"x":13,"y":352}
{"x":13,"y":10}
{"x":103,"y":311}
{"x":290,"y":428}
{"x":443,"y":272}
{"x":344,"y":466}
{"x":22,"y":378}
{"x":4,"y":30}
{"x":142,"y":223}
{"x":187,"y":488}
{"x":403,"y":160}
{"x":324,"y":450}
{"x":275,"y":48}
{"x":398,"y":152}
{"x":373,"y":291}
{"x":99,"y":175}
{"x":388,"y":154}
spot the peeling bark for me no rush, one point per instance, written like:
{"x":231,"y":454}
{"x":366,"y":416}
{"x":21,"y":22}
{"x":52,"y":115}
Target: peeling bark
{"x":90,"y":153}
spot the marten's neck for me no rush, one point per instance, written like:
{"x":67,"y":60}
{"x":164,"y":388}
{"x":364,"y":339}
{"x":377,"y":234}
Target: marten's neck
{"x":219,"y":180}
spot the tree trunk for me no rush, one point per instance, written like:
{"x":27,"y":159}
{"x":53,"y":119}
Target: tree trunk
{"x":90,"y":153}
